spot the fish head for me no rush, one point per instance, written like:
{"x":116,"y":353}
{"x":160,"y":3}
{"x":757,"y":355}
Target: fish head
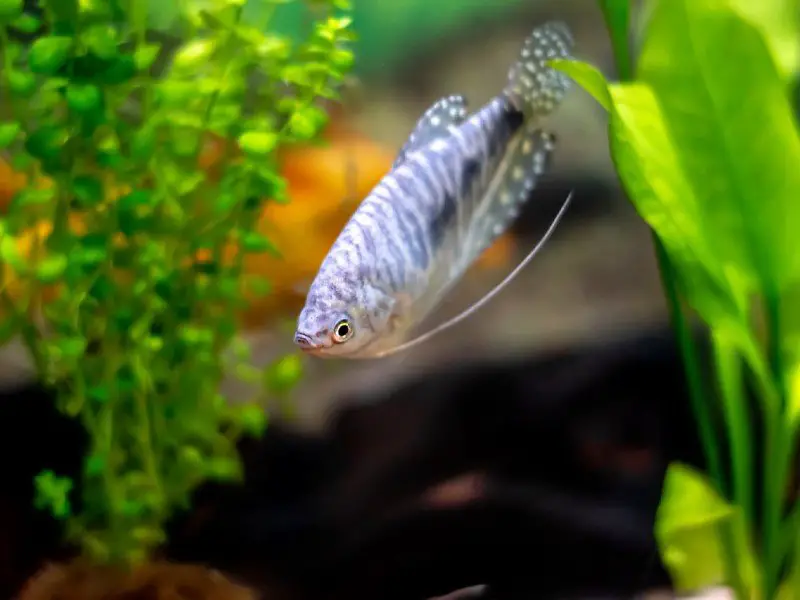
{"x":330,"y":326}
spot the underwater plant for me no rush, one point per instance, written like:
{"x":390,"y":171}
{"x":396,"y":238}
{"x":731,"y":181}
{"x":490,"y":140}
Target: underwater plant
{"x":705,"y":141}
{"x":113,"y":263}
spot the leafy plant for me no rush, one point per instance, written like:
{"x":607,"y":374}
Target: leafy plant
{"x":705,"y":142}
{"x":127,"y":297}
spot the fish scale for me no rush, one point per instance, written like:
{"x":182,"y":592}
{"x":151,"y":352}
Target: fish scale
{"x":456,"y":184}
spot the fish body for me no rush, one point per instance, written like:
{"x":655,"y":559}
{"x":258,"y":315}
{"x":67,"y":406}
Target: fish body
{"x":456,"y":185}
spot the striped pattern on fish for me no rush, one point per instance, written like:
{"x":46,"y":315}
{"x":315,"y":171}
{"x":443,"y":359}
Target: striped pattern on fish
{"x":456,"y":185}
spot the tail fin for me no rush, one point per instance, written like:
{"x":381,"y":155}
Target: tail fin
{"x":534,"y":88}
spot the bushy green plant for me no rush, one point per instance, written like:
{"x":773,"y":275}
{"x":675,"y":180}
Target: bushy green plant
{"x":705,"y":142}
{"x":108,"y":127}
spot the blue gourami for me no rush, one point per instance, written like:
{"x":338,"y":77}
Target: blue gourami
{"x":457,"y":184}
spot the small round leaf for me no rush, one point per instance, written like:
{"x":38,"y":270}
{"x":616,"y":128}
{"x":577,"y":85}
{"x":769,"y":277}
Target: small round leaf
{"x":22,"y":83}
{"x":84,"y":98}
{"x":8,"y":133}
{"x":194,"y":54}
{"x":49,"y":54}
{"x":51,"y":268}
{"x":258,"y":142}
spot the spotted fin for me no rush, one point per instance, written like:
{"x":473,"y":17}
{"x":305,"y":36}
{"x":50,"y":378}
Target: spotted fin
{"x":434,"y":123}
{"x":534,"y":88}
{"x":512,"y":186}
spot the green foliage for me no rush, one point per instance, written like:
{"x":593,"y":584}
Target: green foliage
{"x":137,"y":237}
{"x":706,"y":144}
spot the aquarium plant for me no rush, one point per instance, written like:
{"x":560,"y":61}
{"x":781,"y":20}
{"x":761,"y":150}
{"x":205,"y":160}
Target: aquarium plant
{"x":122,"y":256}
{"x":704,"y":138}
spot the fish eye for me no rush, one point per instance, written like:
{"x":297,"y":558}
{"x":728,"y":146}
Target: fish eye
{"x":342,"y":331}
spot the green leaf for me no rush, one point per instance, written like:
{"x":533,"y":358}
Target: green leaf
{"x":48,"y":54}
{"x":733,"y":148}
{"x":46,"y":143}
{"x":306,"y":122}
{"x":617,"y":18}
{"x":258,"y":142}
{"x":10,"y":10}
{"x":22,"y":83}
{"x":99,"y":394}
{"x":687,"y":529}
{"x":253,"y":419}
{"x":27,"y":23}
{"x":779,"y":21}
{"x":51,"y":268}
{"x":282,"y":375}
{"x":256,"y":243}
{"x":9,"y":251}
{"x":8,"y":133}
{"x":588,"y":77}
{"x":94,"y":465}
{"x":88,"y":190}
{"x":71,"y":347}
{"x":145,"y":55}
{"x":690,"y":535}
{"x":52,"y":493}
{"x":101,"y":39}
{"x":65,"y":11}
{"x":84,"y":98}
{"x":122,"y":70}
{"x":194,"y":54}
{"x":223,"y":469}
{"x":33,"y":197}
{"x":648,"y":163}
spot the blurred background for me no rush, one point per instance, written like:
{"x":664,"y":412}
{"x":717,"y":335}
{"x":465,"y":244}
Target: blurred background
{"x":523,"y":449}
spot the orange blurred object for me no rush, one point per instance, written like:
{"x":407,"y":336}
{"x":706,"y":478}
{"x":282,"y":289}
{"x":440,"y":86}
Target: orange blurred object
{"x":325,"y":185}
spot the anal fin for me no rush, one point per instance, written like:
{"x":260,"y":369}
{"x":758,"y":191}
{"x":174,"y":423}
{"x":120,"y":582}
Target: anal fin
{"x":433,"y":124}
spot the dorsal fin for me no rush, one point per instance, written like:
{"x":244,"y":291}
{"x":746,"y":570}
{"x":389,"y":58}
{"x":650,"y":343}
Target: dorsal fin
{"x":433,"y":124}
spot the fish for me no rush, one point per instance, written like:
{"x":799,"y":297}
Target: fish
{"x":456,"y":185}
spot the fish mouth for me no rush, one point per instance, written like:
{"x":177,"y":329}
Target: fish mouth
{"x":305,"y":342}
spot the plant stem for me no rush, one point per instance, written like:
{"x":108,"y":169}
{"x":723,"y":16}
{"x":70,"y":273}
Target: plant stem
{"x":701,"y":406}
{"x":729,"y":375}
{"x":777,"y":457}
{"x":619,"y":38}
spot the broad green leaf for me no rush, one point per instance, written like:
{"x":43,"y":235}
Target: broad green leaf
{"x":588,"y":77}
{"x":779,"y":21}
{"x":687,"y":529}
{"x":617,"y":17}
{"x":739,"y":152}
{"x":648,"y":163}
